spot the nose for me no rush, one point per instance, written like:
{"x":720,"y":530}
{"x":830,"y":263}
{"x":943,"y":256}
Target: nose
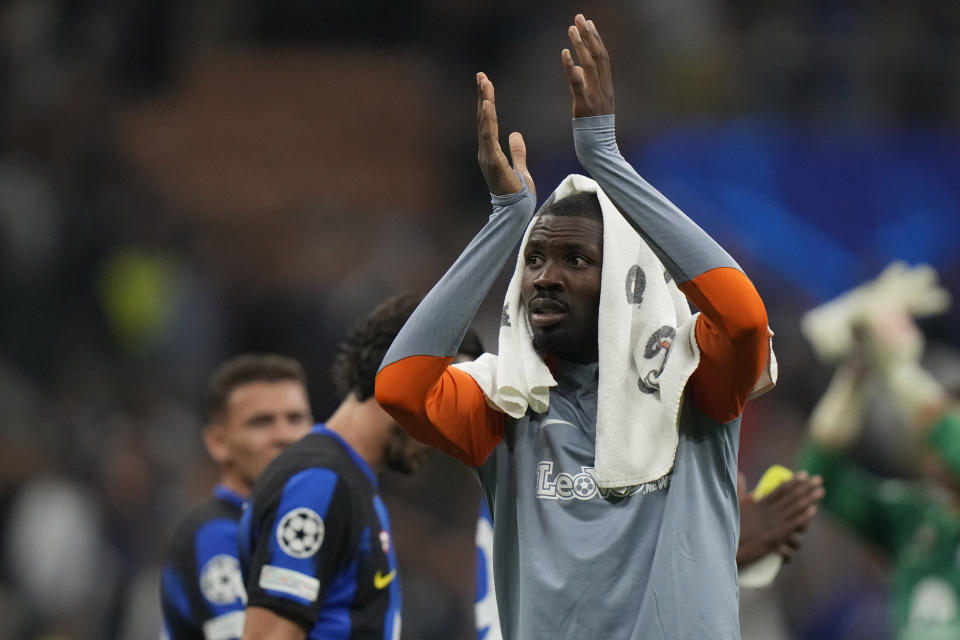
{"x":548,"y":278}
{"x":288,"y":432}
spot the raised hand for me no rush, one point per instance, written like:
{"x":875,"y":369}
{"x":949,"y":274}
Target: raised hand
{"x":500,"y":176}
{"x":591,"y":82}
{"x":899,"y":289}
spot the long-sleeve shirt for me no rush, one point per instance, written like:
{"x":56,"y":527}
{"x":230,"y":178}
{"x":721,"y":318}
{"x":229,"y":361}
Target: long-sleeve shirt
{"x":572,"y":560}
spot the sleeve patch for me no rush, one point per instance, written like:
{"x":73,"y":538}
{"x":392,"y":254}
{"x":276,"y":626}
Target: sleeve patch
{"x":226,"y":627}
{"x":300,"y":532}
{"x":292,"y":582}
{"x":220,"y":580}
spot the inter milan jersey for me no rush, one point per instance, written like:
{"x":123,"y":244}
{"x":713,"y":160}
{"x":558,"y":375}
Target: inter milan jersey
{"x":485,"y":604}
{"x":202,"y":591}
{"x":315,"y":543}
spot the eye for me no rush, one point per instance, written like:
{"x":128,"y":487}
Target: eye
{"x":260,"y":420}
{"x":534,"y":259}
{"x":577,"y":260}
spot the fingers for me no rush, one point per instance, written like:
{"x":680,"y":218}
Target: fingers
{"x":518,"y":152}
{"x":485,"y":87}
{"x":489,"y":128}
{"x":801,"y":490}
{"x":590,"y":48}
{"x":486,"y":104}
{"x":487,"y":125}
{"x":786,"y":552}
{"x":794,"y":503}
{"x":789,"y":547}
{"x":591,"y":82}
{"x":574,"y":72}
{"x":576,"y":33}
{"x":500,"y":177}
{"x":518,"y":157}
{"x":600,"y":56}
{"x":574,"y":78}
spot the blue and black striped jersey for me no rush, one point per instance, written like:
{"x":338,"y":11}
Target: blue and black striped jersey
{"x":485,"y":601}
{"x":315,"y":543}
{"x":202,"y":592}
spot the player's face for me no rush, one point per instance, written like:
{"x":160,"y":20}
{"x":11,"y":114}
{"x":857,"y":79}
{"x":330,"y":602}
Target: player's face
{"x":561,"y":285}
{"x":259,"y":421}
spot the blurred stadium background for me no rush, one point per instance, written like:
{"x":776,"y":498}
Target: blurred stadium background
{"x":181,"y":181}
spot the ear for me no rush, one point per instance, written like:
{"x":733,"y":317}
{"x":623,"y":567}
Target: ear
{"x":215,"y":438}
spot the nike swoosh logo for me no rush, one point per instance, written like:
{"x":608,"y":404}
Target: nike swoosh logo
{"x":380,"y":581}
{"x":550,"y":421}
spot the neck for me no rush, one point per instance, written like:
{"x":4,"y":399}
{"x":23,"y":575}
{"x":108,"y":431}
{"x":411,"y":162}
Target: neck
{"x":235,"y":483}
{"x":364,"y":426}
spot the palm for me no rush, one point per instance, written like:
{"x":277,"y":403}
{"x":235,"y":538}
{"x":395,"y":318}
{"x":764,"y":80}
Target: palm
{"x":501,"y":177}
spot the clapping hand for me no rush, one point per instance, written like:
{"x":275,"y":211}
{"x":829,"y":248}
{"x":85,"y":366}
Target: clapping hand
{"x":591,"y":82}
{"x":500,"y":176}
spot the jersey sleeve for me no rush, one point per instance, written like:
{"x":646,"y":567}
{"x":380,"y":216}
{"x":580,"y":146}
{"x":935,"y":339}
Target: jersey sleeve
{"x":175,"y":605}
{"x":300,"y":543}
{"x":441,"y":406}
{"x":436,"y":404}
{"x":885,"y":512}
{"x":202,"y":590}
{"x":732,"y":329}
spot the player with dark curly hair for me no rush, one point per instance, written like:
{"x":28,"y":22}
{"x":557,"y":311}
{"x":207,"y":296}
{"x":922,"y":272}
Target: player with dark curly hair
{"x":315,"y":545}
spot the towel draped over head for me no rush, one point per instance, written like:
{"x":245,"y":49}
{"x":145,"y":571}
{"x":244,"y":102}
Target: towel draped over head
{"x":646,"y":346}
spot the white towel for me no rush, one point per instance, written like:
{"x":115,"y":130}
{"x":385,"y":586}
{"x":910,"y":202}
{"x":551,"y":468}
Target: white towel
{"x":644,"y":318}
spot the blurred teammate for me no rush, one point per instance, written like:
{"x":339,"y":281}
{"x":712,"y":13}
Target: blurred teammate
{"x":257,"y":405}
{"x":917,"y":525}
{"x":315,"y":543}
{"x":576,"y":555}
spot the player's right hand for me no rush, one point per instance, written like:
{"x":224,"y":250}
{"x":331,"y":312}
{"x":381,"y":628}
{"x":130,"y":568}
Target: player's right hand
{"x":500,"y":176}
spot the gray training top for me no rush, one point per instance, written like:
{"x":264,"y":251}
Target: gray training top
{"x":572,"y":561}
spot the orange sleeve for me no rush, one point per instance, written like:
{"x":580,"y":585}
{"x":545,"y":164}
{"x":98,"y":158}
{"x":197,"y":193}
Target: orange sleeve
{"x":733,"y":337}
{"x":441,"y":406}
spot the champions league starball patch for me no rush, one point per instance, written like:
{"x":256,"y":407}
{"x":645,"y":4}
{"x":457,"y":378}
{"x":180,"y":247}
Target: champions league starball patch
{"x":300,"y":532}
{"x":220,"y":580}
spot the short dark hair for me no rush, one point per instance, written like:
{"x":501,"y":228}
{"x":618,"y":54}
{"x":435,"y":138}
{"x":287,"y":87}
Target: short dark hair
{"x":244,"y":369}
{"x":585,"y":204}
{"x":471,"y":345}
{"x":364,"y":347}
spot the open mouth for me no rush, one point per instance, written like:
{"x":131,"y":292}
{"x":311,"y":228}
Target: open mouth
{"x":544,"y":312}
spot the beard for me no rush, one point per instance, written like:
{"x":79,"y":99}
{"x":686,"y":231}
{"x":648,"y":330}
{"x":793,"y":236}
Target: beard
{"x":557,"y":343}
{"x":566,"y":345}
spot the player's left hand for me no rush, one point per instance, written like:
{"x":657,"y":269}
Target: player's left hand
{"x":501,"y":177}
{"x":591,"y":82}
{"x":776,"y":522}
